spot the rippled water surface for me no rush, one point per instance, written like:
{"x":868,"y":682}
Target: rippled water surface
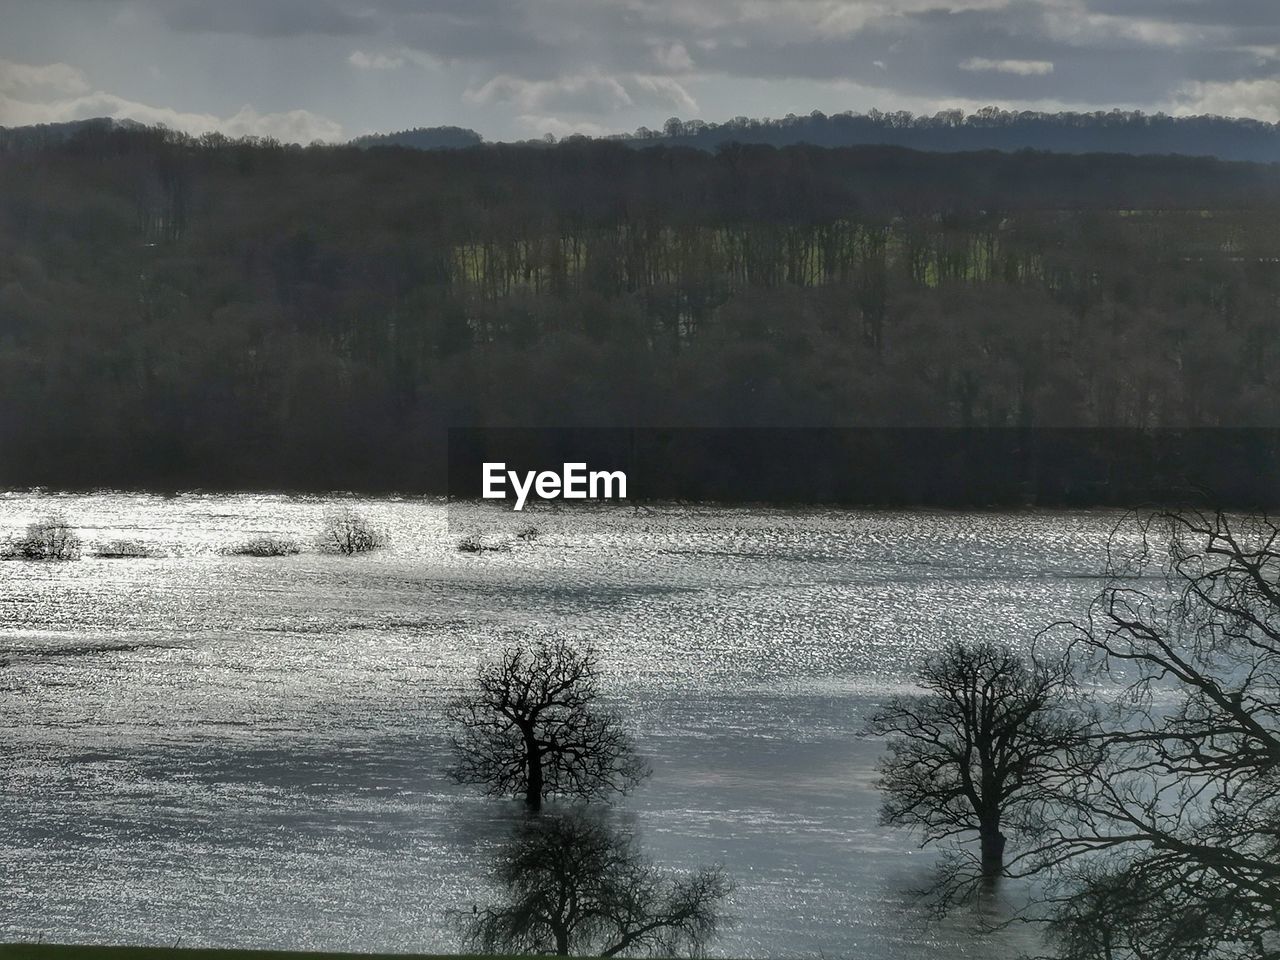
{"x":247,"y":752}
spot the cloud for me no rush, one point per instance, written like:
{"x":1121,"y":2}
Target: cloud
{"x":269,"y":18}
{"x":673,"y":57}
{"x":56,"y":79}
{"x":68,"y":96}
{"x":583,"y":94}
{"x":573,"y":94}
{"x":1021,"y":68}
{"x":1217,"y":13}
{"x":375,"y":61}
{"x":568,"y":63}
{"x":662,"y":91}
{"x":1258,"y":98}
{"x":537,"y":126}
{"x":393,"y":60}
{"x":1109,"y":31}
{"x":290,"y":126}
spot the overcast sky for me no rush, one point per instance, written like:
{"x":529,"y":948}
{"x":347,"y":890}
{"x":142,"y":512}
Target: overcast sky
{"x":332,"y":69}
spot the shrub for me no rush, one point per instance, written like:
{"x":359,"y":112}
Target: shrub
{"x":474,"y":543}
{"x":266,"y":547}
{"x":348,"y":531}
{"x":50,"y":538}
{"x":124,"y":550}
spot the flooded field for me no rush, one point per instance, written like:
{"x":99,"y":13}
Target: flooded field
{"x":249,"y":752}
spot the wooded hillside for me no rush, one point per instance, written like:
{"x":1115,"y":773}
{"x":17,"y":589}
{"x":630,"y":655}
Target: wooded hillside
{"x":179,"y":312}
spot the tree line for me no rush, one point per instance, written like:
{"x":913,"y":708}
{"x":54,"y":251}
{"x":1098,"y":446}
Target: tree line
{"x":990,"y":128}
{"x":180,"y":312}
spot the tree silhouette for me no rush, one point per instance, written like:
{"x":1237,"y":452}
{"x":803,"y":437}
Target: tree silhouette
{"x":977,"y":752}
{"x":1172,"y":848}
{"x":534,"y":724}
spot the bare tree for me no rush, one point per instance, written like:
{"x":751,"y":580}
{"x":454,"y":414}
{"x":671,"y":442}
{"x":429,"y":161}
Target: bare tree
{"x":974,"y":754}
{"x":534,"y":724}
{"x":1172,"y":850}
{"x":574,"y":884}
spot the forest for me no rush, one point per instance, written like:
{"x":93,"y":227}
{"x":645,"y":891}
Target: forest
{"x":182,"y":312}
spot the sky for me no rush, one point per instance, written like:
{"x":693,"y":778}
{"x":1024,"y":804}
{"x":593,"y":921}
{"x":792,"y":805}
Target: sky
{"x":304,"y":70}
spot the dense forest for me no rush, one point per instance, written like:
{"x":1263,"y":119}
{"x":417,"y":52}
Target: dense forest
{"x":180,"y":312}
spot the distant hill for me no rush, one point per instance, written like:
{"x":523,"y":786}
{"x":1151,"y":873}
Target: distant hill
{"x":423,"y":138}
{"x":50,"y":134}
{"x":952,"y":131}
{"x":1122,"y":132}
{"x":1116,"y":131}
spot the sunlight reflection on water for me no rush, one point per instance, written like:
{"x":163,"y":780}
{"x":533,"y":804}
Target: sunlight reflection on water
{"x":247,"y":751}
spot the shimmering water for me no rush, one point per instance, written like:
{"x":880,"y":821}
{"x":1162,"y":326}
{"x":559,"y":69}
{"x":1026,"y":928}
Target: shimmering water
{"x":248,"y":752}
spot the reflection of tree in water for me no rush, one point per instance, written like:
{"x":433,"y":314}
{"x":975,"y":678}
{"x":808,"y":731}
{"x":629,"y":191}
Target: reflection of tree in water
{"x":573,"y":882}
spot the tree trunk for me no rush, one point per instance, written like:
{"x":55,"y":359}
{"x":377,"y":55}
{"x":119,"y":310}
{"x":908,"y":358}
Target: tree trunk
{"x":533,"y":775}
{"x":992,"y":844}
{"x":562,"y":942}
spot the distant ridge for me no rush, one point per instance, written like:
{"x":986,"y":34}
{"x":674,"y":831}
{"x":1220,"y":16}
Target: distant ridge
{"x":50,"y":134}
{"x":423,"y":138}
{"x":1116,"y":131}
{"x":950,"y":131}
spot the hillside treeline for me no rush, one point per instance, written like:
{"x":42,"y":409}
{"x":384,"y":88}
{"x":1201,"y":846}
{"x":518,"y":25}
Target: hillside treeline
{"x":423,"y":138}
{"x":215,"y":313}
{"x":1113,"y":131}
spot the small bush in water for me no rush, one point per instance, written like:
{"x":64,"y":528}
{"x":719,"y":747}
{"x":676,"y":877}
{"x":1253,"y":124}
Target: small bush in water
{"x":348,"y":531}
{"x":50,"y":538}
{"x":474,"y":543}
{"x":124,"y":550}
{"x":266,"y":547}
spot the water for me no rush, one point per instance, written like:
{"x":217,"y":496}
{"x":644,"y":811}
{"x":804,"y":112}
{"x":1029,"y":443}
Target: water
{"x":248,"y":752}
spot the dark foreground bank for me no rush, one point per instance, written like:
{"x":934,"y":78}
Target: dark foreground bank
{"x":50,"y":951}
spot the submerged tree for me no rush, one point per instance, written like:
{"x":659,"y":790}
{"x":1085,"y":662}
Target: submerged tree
{"x":974,"y":755}
{"x":1172,"y":849}
{"x":574,"y":884}
{"x":534,"y":724}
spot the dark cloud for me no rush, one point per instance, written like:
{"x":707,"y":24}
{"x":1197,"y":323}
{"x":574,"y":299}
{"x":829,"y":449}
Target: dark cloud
{"x":1208,"y":13}
{"x":269,"y":18}
{"x":597,"y":60}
